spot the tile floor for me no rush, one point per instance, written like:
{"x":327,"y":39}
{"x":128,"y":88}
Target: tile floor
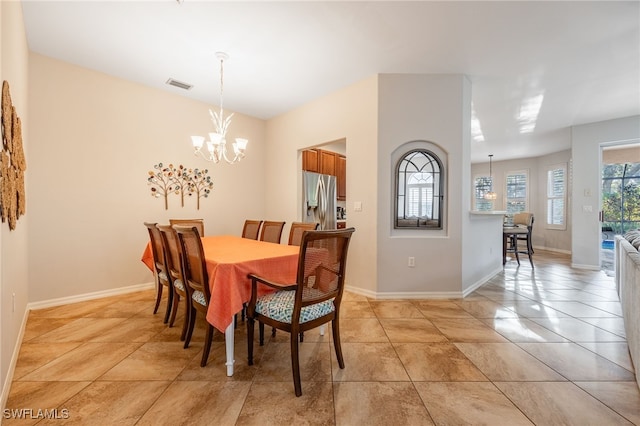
{"x":544,"y":347}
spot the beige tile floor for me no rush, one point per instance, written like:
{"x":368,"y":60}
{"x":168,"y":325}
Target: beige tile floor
{"x":544,"y":347}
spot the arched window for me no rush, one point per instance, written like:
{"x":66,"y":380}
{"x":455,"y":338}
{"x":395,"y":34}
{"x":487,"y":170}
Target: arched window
{"x":419,"y":191}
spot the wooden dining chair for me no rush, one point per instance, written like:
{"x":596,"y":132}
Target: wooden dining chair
{"x":271,"y":231}
{"x":174,"y":266}
{"x":251,"y":229}
{"x":196,"y":277}
{"x":198,"y":223}
{"x":162,"y":277}
{"x":297,"y":228}
{"x":310,"y":302}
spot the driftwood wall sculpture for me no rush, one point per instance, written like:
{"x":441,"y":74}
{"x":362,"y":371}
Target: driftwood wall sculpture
{"x":12,"y":163}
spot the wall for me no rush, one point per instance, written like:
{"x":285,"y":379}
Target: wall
{"x":551,"y":239}
{"x":350,"y":113}
{"x":586,"y":143}
{"x":434,"y":108}
{"x":93,"y":140}
{"x":14,"y":268}
{"x":412,"y":108}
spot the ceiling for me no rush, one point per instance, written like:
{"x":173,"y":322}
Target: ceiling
{"x":579,"y":62}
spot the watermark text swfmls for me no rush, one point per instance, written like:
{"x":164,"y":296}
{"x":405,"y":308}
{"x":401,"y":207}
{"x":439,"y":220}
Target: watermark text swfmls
{"x":38,"y":414}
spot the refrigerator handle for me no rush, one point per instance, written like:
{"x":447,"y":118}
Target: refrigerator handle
{"x":322,"y":204}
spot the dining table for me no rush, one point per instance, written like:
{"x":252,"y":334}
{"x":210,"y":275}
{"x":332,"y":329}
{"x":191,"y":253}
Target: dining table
{"x":230,"y":259}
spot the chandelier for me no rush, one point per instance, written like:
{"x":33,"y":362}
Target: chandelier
{"x":216,"y":146}
{"x":490,"y":195}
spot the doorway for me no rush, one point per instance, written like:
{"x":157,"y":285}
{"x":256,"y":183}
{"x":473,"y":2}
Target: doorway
{"x":620,"y":197}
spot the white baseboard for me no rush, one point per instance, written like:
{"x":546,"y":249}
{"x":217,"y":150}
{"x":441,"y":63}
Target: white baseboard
{"x":6,"y":386}
{"x":419,"y":295}
{"x":425,"y":294}
{"x":89,"y":296}
{"x":473,"y":287}
{"x":405,"y":295}
{"x":589,"y":267}
{"x":551,"y":249}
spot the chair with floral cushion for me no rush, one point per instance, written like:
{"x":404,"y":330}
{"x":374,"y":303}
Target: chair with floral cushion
{"x":312,"y":301}
{"x":162,"y":277}
{"x":195,"y":276}
{"x":174,"y":266}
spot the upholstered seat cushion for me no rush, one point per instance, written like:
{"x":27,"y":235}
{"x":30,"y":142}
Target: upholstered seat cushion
{"x":179,"y":284}
{"x":198,"y":297}
{"x":279,"y":306}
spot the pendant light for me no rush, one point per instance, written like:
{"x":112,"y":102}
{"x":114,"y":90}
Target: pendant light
{"x":490,"y":195}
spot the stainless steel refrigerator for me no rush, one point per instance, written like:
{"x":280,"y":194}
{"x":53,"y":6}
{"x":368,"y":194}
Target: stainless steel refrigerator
{"x":319,"y":199}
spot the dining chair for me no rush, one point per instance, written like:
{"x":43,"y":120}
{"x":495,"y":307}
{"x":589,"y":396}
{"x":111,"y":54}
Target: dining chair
{"x":521,"y":231}
{"x":312,"y":301}
{"x":251,"y":229}
{"x":271,"y":231}
{"x":195,"y":276}
{"x":163,"y":278}
{"x":297,"y":228}
{"x":174,"y":266}
{"x":198,"y":223}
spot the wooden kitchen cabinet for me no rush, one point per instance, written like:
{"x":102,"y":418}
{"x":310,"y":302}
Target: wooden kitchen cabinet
{"x":341,"y":177}
{"x":327,"y":163}
{"x":311,"y":160}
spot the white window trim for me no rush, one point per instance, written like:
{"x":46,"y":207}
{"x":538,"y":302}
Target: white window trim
{"x":528,"y":187}
{"x":563,"y":166}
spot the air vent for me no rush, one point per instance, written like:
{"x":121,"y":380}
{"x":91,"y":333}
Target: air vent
{"x":176,"y":83}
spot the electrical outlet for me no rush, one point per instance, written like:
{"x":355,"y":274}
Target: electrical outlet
{"x":412,"y":262}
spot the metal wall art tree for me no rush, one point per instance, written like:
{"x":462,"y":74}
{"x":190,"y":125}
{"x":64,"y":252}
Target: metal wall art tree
{"x":200,"y":184}
{"x":180,"y":181}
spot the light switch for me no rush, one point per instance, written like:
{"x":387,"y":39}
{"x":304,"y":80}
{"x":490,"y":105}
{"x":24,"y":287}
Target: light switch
{"x":357,"y":206}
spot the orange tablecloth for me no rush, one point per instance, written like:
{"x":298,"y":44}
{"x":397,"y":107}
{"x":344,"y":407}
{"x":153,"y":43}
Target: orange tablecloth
{"x":147,"y":257}
{"x":229,"y":260}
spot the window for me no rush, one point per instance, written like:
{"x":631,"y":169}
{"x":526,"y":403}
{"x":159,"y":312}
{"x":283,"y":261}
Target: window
{"x":621,"y":196}
{"x":556,"y":197}
{"x":419,"y":191}
{"x":516,"y":191}
{"x":482,"y":185}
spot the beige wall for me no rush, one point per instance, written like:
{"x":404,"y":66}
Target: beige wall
{"x":376,"y":116}
{"x":93,"y":140}
{"x":351,"y":113}
{"x":14,"y":291}
{"x":434,"y":108}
